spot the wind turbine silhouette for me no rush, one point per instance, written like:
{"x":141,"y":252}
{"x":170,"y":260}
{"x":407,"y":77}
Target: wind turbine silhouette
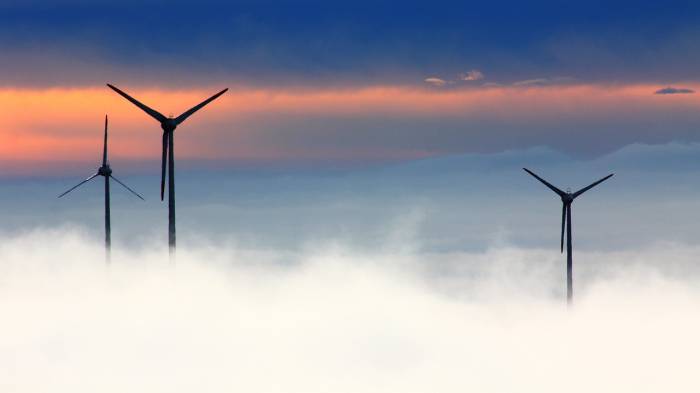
{"x":566,"y":199}
{"x":105,"y":171}
{"x":168,"y":124}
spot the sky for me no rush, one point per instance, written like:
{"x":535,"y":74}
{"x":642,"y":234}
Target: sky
{"x":345,"y":83}
{"x":363,"y":172}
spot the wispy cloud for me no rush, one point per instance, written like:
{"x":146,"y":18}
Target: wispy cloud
{"x":469,"y":76}
{"x":435,"y":81}
{"x":473,"y":75}
{"x":532,"y":82}
{"x":544,"y":81}
{"x":674,"y":90}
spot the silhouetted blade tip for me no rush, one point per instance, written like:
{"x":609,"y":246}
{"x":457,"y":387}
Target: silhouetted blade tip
{"x":79,"y":184}
{"x":127,"y":187}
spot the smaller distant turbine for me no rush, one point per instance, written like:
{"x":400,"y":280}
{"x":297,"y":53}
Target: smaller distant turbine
{"x":566,"y":199}
{"x":105,"y":171}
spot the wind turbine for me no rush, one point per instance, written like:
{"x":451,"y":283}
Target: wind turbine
{"x":105,"y":171}
{"x":566,"y":199}
{"x":168,"y":124}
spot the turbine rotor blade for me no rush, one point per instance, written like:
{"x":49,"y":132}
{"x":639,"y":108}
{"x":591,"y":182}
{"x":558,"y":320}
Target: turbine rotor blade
{"x":563,"y":222}
{"x":194,"y":109}
{"x":127,"y":187}
{"x":104,"y":152}
{"x":162,"y":166}
{"x":581,"y":191}
{"x":551,"y":187}
{"x":79,"y":184}
{"x":153,"y":113}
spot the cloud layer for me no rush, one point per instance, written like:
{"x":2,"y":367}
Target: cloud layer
{"x":331,"y":319}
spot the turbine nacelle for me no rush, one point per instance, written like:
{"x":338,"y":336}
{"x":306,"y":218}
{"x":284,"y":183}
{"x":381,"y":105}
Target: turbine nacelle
{"x":169,"y":124}
{"x":567,"y":197}
{"x":104,"y":170}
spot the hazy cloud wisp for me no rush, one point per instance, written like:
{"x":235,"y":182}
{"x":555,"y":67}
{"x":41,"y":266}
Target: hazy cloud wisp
{"x":674,"y":90}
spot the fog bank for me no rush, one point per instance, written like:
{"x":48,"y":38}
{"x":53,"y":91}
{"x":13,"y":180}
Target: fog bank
{"x":333,"y":319}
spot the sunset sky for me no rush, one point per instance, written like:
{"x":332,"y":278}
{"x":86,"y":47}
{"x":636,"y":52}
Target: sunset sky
{"x":314,"y":82}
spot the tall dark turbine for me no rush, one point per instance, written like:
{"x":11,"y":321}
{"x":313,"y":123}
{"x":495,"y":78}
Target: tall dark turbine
{"x":105,"y":171}
{"x":168,"y":124}
{"x":566,"y":199}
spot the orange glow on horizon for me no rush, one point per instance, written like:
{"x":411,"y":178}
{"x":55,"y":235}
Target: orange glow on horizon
{"x":66,"y":124}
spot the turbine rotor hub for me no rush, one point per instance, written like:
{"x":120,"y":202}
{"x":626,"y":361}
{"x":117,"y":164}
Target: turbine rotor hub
{"x":168,"y":125}
{"x":104,"y":170}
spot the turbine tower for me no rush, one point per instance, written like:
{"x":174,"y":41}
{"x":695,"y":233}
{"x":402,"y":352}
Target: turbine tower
{"x":168,"y":124}
{"x":566,"y":199}
{"x":105,"y":171}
